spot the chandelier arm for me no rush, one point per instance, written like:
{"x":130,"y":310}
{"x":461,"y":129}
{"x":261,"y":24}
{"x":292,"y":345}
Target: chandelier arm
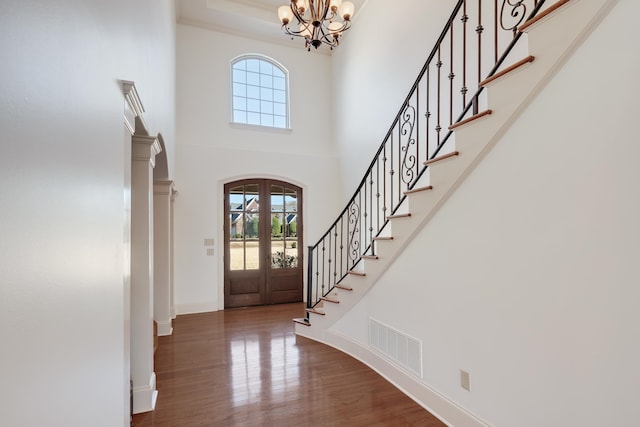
{"x":296,"y":13}
{"x":325,"y":4}
{"x":329,"y":39}
{"x":291,"y":32}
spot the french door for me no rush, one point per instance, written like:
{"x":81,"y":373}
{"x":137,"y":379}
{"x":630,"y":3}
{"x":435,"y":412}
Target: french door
{"x":263,"y":243}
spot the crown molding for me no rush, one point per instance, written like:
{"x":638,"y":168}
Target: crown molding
{"x":281,"y":41}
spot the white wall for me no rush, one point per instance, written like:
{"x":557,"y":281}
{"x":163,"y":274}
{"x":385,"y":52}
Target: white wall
{"x":373,"y":70}
{"x":211,"y":152}
{"x":62,"y":302}
{"x":527,"y":277}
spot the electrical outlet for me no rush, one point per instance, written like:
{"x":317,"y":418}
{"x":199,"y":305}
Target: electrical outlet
{"x":464,"y":380}
{"x":209,"y":251}
{"x":208,"y":242}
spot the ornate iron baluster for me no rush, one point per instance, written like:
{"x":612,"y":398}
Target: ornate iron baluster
{"x":518,"y":13}
{"x":409,"y":161}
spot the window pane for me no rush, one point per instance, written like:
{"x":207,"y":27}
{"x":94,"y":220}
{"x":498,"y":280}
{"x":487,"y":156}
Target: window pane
{"x":239,"y":103}
{"x":239,"y":89}
{"x":239,"y":76}
{"x":236,"y":198}
{"x":277,"y":221}
{"x":277,"y":72}
{"x":291,"y":201}
{"x":277,"y":193}
{"x":239,"y":116}
{"x":253,"y":65}
{"x":253,"y":119}
{"x":253,"y":92}
{"x":266,"y":68}
{"x":240,"y":65}
{"x":266,"y":81}
{"x":280,"y":96}
{"x":266,"y":94}
{"x":279,"y":109}
{"x":252,"y":197}
{"x":253,"y":255}
{"x":279,"y":122}
{"x":292,"y":225}
{"x":236,"y":249}
{"x":266,"y":107}
{"x":253,"y":79}
{"x":291,"y":255}
{"x":253,"y":105}
{"x":279,"y":83}
{"x":266,"y":120}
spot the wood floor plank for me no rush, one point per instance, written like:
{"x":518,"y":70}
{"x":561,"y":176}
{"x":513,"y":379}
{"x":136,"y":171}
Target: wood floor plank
{"x":246,"y":367}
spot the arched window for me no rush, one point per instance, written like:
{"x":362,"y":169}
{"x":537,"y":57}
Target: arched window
{"x":260,"y":92}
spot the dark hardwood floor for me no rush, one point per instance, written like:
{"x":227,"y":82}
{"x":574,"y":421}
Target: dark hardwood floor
{"x":246,"y":367}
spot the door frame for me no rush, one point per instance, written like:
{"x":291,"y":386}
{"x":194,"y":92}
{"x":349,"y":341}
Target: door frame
{"x":265,"y":183}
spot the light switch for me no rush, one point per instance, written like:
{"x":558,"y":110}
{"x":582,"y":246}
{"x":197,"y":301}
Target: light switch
{"x":208,"y":242}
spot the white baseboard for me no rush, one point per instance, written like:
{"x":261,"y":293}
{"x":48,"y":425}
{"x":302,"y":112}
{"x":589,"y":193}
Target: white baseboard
{"x":439,"y":405}
{"x":196,"y":308}
{"x":164,"y":328}
{"x":144,"y":398}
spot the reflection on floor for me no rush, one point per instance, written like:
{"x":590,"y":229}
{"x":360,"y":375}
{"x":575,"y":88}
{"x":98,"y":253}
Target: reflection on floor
{"x":245,"y":367}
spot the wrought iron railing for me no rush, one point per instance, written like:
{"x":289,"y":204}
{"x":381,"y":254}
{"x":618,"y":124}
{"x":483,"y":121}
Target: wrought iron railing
{"x":473,"y":45}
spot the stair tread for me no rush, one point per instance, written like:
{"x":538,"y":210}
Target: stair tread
{"x":328,"y":299}
{"x":315,"y":311}
{"x":383,"y":238}
{"x":403,"y":215}
{"x":343,"y":287}
{"x":443,"y":157}
{"x":419,"y":189}
{"x":356,"y":273}
{"x":302,"y":321}
{"x":507,"y":70}
{"x":370,"y":257}
{"x":542,"y":14}
{"x":470,"y":119}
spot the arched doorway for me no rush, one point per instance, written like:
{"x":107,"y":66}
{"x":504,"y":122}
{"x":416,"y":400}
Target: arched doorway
{"x":263,"y":243}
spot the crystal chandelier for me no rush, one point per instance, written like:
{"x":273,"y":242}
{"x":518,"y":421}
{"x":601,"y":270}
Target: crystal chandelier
{"x":319,"y":21}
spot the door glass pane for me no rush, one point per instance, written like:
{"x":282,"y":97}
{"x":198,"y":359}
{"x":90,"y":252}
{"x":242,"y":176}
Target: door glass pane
{"x":284,"y":205}
{"x":244,"y":207}
{"x":290,"y":200}
{"x":236,"y":197}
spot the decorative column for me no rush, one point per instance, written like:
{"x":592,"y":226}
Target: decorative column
{"x":143,"y":152}
{"x":162,"y":260}
{"x":171,"y":285}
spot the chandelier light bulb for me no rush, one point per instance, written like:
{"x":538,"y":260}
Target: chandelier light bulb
{"x":346,"y":10}
{"x":302,"y":5}
{"x":285,"y":14}
{"x":334,"y":4}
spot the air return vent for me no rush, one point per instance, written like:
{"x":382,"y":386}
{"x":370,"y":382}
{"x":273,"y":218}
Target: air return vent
{"x":399,"y":347}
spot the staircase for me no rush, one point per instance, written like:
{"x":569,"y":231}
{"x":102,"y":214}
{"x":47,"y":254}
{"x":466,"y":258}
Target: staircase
{"x":540,"y":45}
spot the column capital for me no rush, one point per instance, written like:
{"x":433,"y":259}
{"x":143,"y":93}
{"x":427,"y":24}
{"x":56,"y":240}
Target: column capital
{"x":163,"y":187}
{"x":133,"y":107}
{"x":145,"y":148}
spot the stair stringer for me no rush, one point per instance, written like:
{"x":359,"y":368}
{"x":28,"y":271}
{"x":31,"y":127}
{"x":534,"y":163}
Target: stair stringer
{"x":551,"y":41}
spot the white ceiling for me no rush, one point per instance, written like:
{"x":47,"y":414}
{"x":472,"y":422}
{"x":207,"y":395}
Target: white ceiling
{"x":249,"y":18}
